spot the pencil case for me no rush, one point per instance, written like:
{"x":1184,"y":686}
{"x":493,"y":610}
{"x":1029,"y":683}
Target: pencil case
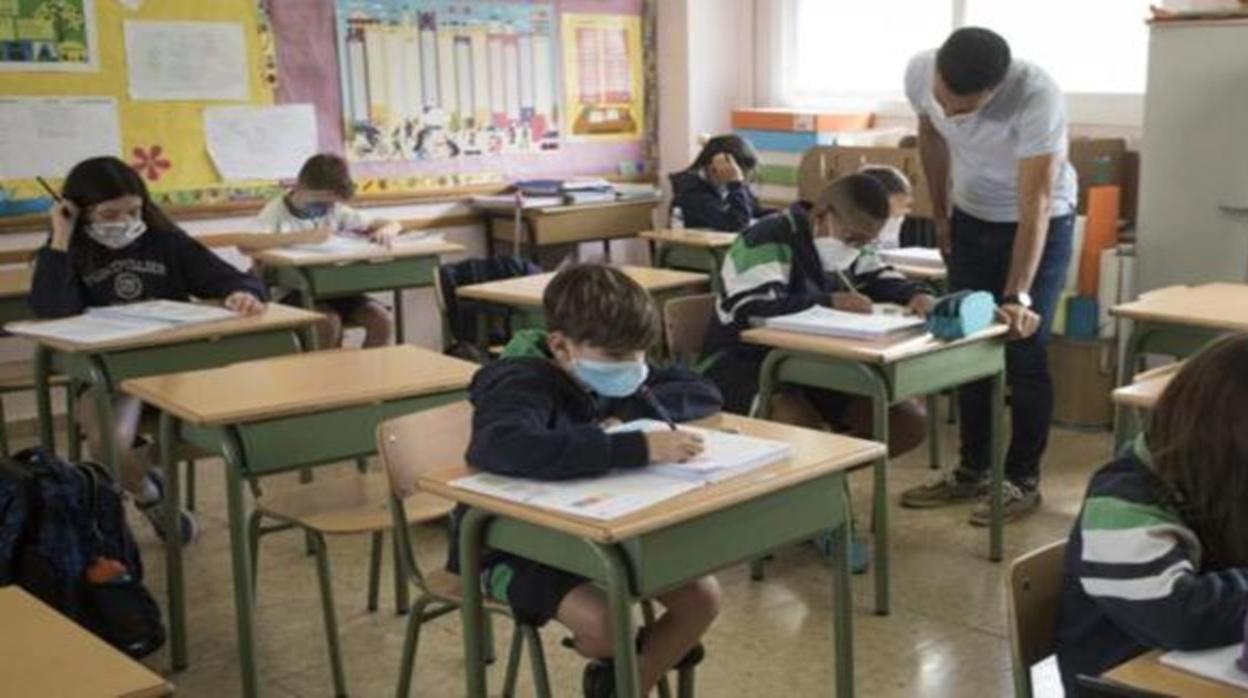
{"x":960,"y":314}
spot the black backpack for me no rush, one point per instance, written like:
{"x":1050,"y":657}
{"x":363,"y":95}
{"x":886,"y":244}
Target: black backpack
{"x":58,"y":521}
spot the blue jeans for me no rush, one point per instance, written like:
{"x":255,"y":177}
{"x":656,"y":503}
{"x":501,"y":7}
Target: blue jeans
{"x":980,"y":260}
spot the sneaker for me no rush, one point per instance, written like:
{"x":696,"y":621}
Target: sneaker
{"x":859,"y":551}
{"x":598,"y":681}
{"x":949,"y":489}
{"x":1016,"y":503}
{"x":152,"y":509}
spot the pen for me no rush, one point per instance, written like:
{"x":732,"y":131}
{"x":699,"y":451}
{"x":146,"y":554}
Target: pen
{"x":845,"y":281}
{"x":43,"y":183}
{"x":657,"y":406}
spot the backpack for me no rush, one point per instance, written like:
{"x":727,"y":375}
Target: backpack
{"x":64,"y":539}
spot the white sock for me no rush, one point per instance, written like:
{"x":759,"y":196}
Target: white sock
{"x":147,"y":492}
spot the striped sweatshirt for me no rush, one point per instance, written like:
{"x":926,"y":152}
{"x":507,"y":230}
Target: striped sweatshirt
{"x":1135,"y":579}
{"x":773,"y":269}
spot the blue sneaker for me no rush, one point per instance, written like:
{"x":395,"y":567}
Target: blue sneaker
{"x":859,"y":551}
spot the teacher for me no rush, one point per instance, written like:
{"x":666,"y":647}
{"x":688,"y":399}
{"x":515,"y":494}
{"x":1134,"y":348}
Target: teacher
{"x":992,"y":135}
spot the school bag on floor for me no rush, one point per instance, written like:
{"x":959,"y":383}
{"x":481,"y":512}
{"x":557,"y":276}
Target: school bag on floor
{"x":64,"y":539}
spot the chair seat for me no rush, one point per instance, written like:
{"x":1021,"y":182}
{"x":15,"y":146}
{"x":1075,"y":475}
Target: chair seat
{"x":20,"y":375}
{"x":446,"y":586}
{"x":348,"y":505}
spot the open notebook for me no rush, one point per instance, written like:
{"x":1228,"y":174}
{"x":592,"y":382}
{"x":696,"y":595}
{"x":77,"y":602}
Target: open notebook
{"x":351,"y":244}
{"x":118,"y":322}
{"x":914,"y":257}
{"x":1219,"y":664}
{"x":625,"y":491}
{"x":838,"y":323}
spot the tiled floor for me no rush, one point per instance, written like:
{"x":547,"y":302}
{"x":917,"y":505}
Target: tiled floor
{"x":945,"y":637}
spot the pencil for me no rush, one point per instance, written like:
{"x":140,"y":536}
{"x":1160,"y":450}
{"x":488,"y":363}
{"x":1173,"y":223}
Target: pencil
{"x":43,"y":183}
{"x":846,"y":282}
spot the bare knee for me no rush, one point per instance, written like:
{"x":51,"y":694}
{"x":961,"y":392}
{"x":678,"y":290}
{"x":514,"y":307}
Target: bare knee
{"x":584,"y":612}
{"x":376,"y":323}
{"x":907,"y":427}
{"x":329,"y":331}
{"x":699,"y":600}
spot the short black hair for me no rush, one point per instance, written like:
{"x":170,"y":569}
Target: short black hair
{"x":859,"y":202}
{"x":740,"y":149}
{"x":973,"y":59}
{"x":601,"y":306}
{"x":327,"y":172}
{"x":892,"y":179}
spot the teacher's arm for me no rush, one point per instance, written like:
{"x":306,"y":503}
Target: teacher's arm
{"x":1035,"y":195}
{"x":935,"y":155}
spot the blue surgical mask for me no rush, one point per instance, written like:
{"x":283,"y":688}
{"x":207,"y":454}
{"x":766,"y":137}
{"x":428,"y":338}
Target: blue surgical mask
{"x":611,"y":378}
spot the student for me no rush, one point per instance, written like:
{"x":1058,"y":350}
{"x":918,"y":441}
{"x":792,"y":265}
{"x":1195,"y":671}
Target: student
{"x":712,"y":192}
{"x":900,"y":198}
{"x":318,"y":201}
{"x":540,"y":413}
{"x":802,"y":258}
{"x":1158,"y":558}
{"x":110,"y":244}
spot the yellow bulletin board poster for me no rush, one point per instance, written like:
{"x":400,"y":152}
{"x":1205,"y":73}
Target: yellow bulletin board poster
{"x":138,"y":90}
{"x":48,"y":35}
{"x":604,"y":83}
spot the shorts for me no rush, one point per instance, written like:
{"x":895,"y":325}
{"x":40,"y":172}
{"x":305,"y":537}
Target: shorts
{"x":532,"y":590}
{"x":344,"y":307}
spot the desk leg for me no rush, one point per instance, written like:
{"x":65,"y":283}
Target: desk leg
{"x":717,"y":267}
{"x":174,"y":586}
{"x":996,"y":534}
{"x":933,"y":430}
{"x":43,"y":398}
{"x":530,"y":231}
{"x":471,"y":528}
{"x":842,"y":618}
{"x":654,"y":254}
{"x":235,"y":464}
{"x":400,"y":336}
{"x":879,"y":508}
{"x":100,"y":392}
{"x":620,"y":606}
{"x":1131,"y":355}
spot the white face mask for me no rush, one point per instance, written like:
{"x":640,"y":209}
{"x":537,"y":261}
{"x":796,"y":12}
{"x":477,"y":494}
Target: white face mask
{"x":890,"y":234}
{"x":834,"y":254}
{"x":117,"y":235}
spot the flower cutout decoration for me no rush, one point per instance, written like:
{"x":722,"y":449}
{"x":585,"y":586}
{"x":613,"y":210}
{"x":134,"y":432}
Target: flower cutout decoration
{"x":149,"y":162}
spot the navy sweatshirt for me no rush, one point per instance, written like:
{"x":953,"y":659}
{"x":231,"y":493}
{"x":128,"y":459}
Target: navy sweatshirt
{"x":730,"y":209}
{"x":1136,"y":578}
{"x":163,"y":264}
{"x":532,"y":419}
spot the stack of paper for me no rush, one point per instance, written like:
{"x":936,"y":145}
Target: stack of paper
{"x":928,"y":257}
{"x":118,"y":322}
{"x":838,"y":323}
{"x":167,"y":313}
{"x":627,"y":491}
{"x":1219,"y":664}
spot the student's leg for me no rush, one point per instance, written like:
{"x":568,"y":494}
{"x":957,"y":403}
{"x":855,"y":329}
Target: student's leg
{"x":329,"y":330}
{"x":375,"y":320}
{"x":132,"y":470}
{"x":792,"y":407}
{"x":907,"y":424}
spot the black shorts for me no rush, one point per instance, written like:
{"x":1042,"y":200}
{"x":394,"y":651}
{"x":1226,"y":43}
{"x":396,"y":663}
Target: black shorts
{"x":533,"y":590}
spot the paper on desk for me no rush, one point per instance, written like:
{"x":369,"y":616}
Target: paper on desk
{"x":607,"y":497}
{"x":914,"y":256}
{"x":830,"y":322}
{"x":46,"y":136}
{"x":1217,"y":664}
{"x":165,"y":312}
{"x":186,"y":60}
{"x":725,"y":454}
{"x":260,"y":142}
{"x":86,"y":329}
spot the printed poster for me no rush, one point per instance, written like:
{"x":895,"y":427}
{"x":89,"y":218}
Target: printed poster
{"x":443,"y":80}
{"x":48,"y":35}
{"x":604,"y":84}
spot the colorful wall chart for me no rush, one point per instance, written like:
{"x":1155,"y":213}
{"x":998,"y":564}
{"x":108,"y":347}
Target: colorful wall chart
{"x":604,"y":78}
{"x":48,"y":35}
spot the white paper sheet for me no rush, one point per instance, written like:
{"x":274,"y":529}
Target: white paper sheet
{"x":45,"y":136}
{"x":1217,"y":664}
{"x":601,"y":498}
{"x":260,"y":142}
{"x":186,"y":60}
{"x":86,"y":329}
{"x":170,"y":313}
{"x":838,"y":323}
{"x":914,"y":256}
{"x":725,"y":454}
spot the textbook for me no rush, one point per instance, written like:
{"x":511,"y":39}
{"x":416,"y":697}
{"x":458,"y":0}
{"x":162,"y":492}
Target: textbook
{"x":1219,"y":664}
{"x":928,"y":257}
{"x":117,"y":322}
{"x":623,"y":492}
{"x":830,"y":322}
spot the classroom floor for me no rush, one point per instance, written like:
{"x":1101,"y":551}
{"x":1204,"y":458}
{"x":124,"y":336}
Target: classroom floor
{"x":946,"y":635}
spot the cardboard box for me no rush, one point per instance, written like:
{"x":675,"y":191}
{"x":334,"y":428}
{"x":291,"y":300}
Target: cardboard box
{"x":1083,"y":377}
{"x":774,"y":119}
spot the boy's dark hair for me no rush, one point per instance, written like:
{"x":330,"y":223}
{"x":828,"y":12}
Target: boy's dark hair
{"x":892,"y":179}
{"x":600,"y":305}
{"x":972,"y":60}
{"x":732,"y":144}
{"x":327,"y":172}
{"x":859,"y":202}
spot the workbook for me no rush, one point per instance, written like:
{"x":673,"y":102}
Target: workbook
{"x":117,"y":322}
{"x":830,"y":322}
{"x":1219,"y":664}
{"x":167,"y":313}
{"x":623,"y":492}
{"x":914,"y":257}
{"x":355,"y":244}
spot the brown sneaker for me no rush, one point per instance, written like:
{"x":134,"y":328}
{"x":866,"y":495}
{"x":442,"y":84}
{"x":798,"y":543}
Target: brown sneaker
{"x":943,"y":492}
{"x":1015,"y":504}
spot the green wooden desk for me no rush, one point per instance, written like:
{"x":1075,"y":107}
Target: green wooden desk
{"x":544,"y":226}
{"x":1132,"y":401}
{"x":102,"y":366}
{"x":888,"y":373}
{"x":322,"y":276}
{"x":647,"y":552}
{"x":1177,"y":321}
{"x":276,"y":415}
{"x":691,"y":250}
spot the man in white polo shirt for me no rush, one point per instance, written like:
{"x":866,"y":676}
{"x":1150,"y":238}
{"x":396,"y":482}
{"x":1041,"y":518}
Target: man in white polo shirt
{"x":992,"y":135}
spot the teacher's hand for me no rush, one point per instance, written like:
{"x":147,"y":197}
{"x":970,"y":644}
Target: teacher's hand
{"x":1023,"y":321}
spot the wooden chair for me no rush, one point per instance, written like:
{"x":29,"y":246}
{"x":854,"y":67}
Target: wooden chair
{"x":685,"y":322}
{"x":1033,"y":589}
{"x":352,"y":505}
{"x":406,"y":450}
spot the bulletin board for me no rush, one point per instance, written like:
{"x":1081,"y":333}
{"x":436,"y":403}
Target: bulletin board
{"x":424,"y":97}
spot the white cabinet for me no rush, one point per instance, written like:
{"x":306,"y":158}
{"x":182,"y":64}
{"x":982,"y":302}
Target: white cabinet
{"x":1193,"y":223}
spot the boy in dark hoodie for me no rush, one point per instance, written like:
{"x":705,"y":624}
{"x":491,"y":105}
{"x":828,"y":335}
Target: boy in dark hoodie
{"x":712,"y":192}
{"x":540,"y":413}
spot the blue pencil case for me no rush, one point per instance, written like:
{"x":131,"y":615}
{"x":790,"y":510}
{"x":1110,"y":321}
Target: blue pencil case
{"x":960,"y":314}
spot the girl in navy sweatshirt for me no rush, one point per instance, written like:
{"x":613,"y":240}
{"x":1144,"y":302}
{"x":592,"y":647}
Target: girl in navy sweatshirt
{"x":109,"y":245}
{"x":712,"y":193}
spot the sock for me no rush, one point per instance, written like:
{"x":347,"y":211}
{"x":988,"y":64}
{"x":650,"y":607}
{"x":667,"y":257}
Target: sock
{"x":147,"y":492}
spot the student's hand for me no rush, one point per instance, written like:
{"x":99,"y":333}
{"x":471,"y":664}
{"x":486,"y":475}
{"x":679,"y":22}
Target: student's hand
{"x":724,"y":169}
{"x":921,"y":304}
{"x":244,"y":303}
{"x":610,"y":422}
{"x":673,"y":446}
{"x":1023,"y":322}
{"x":319,"y":234}
{"x":852,"y":302}
{"x":386,"y":234}
{"x":64,"y":215}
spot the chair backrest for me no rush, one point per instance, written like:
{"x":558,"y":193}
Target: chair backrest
{"x":423,"y":442}
{"x":1033,"y":589}
{"x":685,"y":321}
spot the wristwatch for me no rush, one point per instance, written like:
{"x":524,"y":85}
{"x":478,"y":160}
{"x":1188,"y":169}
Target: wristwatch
{"x":1021,"y":298}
